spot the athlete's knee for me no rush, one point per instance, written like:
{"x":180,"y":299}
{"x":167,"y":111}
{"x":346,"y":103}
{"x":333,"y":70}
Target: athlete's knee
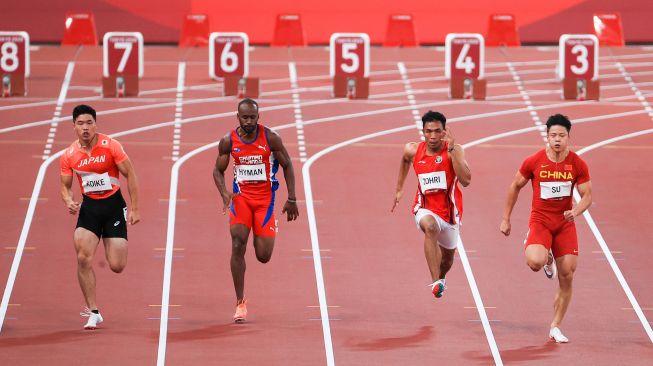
{"x":535,"y":264}
{"x":238,"y":246}
{"x":431,"y":229}
{"x":264,"y":257}
{"x":117,"y":267}
{"x":84,"y":259}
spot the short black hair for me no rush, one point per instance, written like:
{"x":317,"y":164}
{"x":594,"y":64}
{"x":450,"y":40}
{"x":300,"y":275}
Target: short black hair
{"x":249,"y":101}
{"x":431,"y":116}
{"x":558,"y":120}
{"x":83,"y":109}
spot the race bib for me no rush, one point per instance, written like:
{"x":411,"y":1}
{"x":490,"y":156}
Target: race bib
{"x":432,"y":181}
{"x":549,"y":190}
{"x":96,"y":182}
{"x":250,"y":173}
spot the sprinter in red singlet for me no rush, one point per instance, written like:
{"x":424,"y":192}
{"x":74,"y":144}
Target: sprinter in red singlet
{"x":438,"y":208}
{"x":257,"y":152}
{"x":553,"y":172}
{"x":97,"y":160}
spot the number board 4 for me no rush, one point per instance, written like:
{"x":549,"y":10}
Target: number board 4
{"x":14,"y":53}
{"x":464,"y":55}
{"x":349,"y":55}
{"x":228,"y":54}
{"x":579,"y":56}
{"x":122,"y":54}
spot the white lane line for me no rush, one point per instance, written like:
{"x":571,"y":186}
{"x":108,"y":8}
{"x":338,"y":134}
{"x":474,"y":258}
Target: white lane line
{"x":297,"y":109}
{"x":411,"y":98}
{"x":638,"y":93}
{"x":604,"y":245}
{"x":527,"y":100}
{"x":47,"y":150}
{"x":176,"y":137}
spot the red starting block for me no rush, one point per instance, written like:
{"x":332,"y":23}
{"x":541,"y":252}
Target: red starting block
{"x":195,"y":31}
{"x":465,"y":65}
{"x":14,"y":62}
{"x":123,"y":63}
{"x":578,"y":64}
{"x":502,"y":31}
{"x":229,"y":59}
{"x":349,"y":65}
{"x":608,"y":28}
{"x":288,"y":31}
{"x":400,"y":31}
{"x":80,"y":29}
{"x":242,"y":87}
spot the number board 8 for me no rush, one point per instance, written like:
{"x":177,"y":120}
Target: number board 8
{"x":14,"y":53}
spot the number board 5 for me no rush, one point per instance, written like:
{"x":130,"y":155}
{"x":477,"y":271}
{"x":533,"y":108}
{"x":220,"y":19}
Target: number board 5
{"x":349,"y":55}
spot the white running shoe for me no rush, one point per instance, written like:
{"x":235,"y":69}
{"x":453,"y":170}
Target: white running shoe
{"x":93,"y":319}
{"x":437,"y":288}
{"x":556,"y":335}
{"x":549,"y":268}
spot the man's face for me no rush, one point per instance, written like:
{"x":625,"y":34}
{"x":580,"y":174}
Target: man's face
{"x":433,"y":133}
{"x":558,"y":138}
{"x":248,"y":117}
{"x":85,"y":127}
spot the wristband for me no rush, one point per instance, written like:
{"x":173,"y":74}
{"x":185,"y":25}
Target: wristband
{"x":451,"y":148}
{"x":292,"y":201}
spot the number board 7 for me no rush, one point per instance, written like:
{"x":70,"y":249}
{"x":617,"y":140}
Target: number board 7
{"x":122,"y":54}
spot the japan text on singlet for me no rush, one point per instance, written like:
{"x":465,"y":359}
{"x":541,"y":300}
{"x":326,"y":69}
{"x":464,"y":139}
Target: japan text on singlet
{"x":96,"y":172}
{"x":437,"y":187}
{"x":254,"y":164}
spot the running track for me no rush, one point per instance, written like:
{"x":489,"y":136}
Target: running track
{"x":347,"y":283}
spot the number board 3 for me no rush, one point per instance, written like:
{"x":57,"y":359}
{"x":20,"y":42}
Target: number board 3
{"x":464,"y":55}
{"x":349,"y":55}
{"x":579,"y":56}
{"x":228,"y":54}
{"x":14,"y":53}
{"x":122,"y":54}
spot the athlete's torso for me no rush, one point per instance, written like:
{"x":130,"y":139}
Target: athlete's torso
{"x":97,"y":171}
{"x":437,"y":187}
{"x":553,"y":183}
{"x":254,"y":165}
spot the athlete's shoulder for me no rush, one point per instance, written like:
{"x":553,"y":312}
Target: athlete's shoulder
{"x":536,"y":156}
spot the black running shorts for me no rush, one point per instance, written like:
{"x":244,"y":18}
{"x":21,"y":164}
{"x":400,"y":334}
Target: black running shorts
{"x":106,"y":217}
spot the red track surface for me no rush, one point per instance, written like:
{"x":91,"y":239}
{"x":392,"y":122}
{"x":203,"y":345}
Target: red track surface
{"x":380,"y":310}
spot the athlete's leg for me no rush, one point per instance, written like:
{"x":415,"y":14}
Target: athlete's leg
{"x":86,"y":243}
{"x":263,"y":246}
{"x":239,"y":235}
{"x":432,"y":250}
{"x":536,"y":256}
{"x":447,"y":261}
{"x":566,"y":268}
{"x":115,"y":250}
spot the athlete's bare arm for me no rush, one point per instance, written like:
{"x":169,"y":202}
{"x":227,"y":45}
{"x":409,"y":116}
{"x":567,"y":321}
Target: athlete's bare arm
{"x":513,"y":193}
{"x":221,"y":163}
{"x":67,"y":194}
{"x":281,"y":154}
{"x":410,"y":149}
{"x":457,"y":155}
{"x":585,"y":202}
{"x":127,"y":170}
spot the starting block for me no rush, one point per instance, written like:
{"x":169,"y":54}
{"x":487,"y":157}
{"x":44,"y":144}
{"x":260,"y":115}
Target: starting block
{"x":608,"y":29}
{"x":14,"y":65}
{"x":195,"y":31}
{"x":400,"y":31}
{"x":122,"y":63}
{"x":242,"y":87}
{"x":465,"y":65}
{"x":288,"y":31}
{"x":115,"y":86}
{"x":349,"y":65}
{"x":579,"y":66}
{"x":79,"y":30}
{"x":502,"y":31}
{"x":351,"y":87}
